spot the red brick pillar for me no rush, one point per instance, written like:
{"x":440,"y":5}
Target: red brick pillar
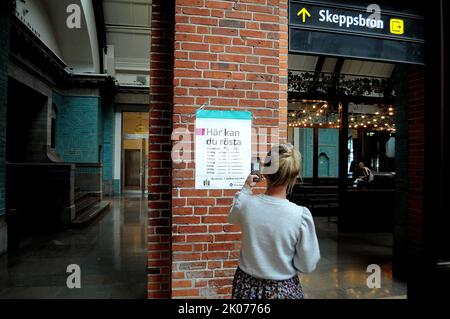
{"x":230,"y":54}
{"x":159,"y":164}
{"x":416,"y":123}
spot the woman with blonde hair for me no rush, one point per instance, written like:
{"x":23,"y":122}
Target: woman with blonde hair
{"x":278,"y":237}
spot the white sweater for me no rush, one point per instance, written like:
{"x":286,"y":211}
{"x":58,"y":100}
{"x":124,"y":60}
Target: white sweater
{"x":278,"y":237}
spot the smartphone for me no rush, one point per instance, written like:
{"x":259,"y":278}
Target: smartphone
{"x":256,"y":170}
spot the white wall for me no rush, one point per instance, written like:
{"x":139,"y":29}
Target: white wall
{"x":34,"y":15}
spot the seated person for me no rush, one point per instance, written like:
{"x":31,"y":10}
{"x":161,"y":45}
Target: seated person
{"x":365,"y":177}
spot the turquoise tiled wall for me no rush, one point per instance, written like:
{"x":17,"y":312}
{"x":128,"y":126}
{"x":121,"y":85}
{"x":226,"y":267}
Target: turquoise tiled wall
{"x":82,"y":125}
{"x":329,"y":149}
{"x":77,"y":128}
{"x":108,"y":148}
{"x":328,"y":146}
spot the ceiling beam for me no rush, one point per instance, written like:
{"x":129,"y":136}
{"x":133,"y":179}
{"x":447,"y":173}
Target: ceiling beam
{"x":101,"y":30}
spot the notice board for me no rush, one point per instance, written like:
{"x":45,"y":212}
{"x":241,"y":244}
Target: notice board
{"x":222,"y":149}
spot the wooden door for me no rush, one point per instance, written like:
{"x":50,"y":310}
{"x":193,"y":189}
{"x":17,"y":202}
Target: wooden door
{"x":132,"y":168}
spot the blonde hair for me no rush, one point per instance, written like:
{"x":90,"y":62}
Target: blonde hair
{"x":282,"y":166}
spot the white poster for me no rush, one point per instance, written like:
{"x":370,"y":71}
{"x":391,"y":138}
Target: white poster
{"x":222,"y":149}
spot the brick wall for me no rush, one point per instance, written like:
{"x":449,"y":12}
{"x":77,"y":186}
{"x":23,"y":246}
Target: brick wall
{"x":232,"y":55}
{"x":409,"y":161}
{"x":160,"y":165}
{"x":4,"y":62}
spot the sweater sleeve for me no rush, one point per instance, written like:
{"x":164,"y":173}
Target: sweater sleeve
{"x":235,"y":212}
{"x":307,"y":253}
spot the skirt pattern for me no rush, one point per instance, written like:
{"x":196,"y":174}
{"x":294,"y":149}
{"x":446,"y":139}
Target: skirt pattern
{"x":246,"y":286}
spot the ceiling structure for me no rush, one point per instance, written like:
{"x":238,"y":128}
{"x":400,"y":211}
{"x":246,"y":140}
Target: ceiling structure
{"x":94,"y":36}
{"x":127,"y":25}
{"x":298,"y":62}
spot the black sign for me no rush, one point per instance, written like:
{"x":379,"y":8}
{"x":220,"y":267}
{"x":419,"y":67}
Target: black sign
{"x":367,"y":32}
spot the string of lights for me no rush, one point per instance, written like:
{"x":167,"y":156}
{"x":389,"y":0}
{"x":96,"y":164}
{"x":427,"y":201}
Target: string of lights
{"x":322,"y":114}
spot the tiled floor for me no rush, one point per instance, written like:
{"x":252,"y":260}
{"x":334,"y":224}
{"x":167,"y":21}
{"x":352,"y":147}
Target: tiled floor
{"x":110,"y":252}
{"x":112,"y":257}
{"x":341,"y":273}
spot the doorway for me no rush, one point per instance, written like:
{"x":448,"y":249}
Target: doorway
{"x":342,"y":112}
{"x":134,"y":152}
{"x":132,"y":169}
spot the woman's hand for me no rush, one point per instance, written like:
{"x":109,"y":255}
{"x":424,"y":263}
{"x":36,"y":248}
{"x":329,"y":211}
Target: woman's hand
{"x":250,"y":181}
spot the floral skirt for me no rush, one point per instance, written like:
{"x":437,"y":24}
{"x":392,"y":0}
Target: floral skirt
{"x":249,"y":287}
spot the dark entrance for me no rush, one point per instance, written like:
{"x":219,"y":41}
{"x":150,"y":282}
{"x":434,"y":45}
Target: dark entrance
{"x":26,"y":124}
{"x":383,"y":133}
